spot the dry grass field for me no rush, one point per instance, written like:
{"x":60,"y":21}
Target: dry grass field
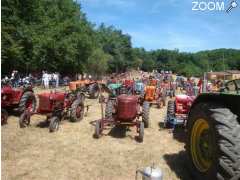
{"x":72,"y":153}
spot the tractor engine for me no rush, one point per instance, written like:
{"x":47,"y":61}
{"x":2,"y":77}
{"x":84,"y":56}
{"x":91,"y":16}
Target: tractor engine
{"x":49,"y":101}
{"x":150,"y":93}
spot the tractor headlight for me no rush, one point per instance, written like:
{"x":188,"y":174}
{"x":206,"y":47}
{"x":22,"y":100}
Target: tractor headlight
{"x":4,"y":97}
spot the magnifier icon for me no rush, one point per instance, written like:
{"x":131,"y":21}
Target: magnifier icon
{"x":233,"y":4}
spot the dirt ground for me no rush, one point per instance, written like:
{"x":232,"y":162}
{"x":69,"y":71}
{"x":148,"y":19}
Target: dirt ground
{"x":72,"y":152}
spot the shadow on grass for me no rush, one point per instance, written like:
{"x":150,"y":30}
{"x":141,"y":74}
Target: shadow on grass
{"x":178,"y":164}
{"x":43,"y":124}
{"x":178,"y":133}
{"x":118,"y":131}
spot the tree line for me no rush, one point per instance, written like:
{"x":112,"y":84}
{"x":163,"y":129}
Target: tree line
{"x":55,"y":35}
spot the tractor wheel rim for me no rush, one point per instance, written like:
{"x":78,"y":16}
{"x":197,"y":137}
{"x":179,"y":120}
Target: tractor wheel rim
{"x":56,"y":125}
{"x":78,"y":111}
{"x":29,"y":105}
{"x":3,"y":118}
{"x":201,"y":145}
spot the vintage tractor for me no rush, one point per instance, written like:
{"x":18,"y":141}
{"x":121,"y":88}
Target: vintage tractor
{"x":128,"y":84}
{"x":155,"y":95}
{"x":169,"y":87}
{"x":177,"y":110}
{"x":124,"y":110}
{"x":213,"y":134}
{"x":56,"y":106}
{"x":139,"y":88}
{"x":17,"y":99}
{"x":90,"y":87}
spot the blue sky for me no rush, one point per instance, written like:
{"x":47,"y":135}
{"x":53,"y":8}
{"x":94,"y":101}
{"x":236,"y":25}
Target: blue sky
{"x":170,"y":24}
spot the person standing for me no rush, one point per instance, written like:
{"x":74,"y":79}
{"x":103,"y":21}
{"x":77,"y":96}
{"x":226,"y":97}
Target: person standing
{"x":42,"y":83}
{"x":46,"y":80}
{"x":56,"y":79}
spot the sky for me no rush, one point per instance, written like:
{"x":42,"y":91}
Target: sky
{"x":168,"y":24}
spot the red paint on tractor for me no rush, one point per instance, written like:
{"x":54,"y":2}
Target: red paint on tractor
{"x":47,"y":101}
{"x":127,"y":107}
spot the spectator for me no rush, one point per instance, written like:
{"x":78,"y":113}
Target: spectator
{"x":46,"y":78}
{"x":56,"y":79}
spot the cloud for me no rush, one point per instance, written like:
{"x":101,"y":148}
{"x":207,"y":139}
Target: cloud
{"x":154,"y":38}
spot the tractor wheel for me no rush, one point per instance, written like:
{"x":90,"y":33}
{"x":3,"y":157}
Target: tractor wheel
{"x":213,"y":143}
{"x":170,"y":112}
{"x":4,"y":116}
{"x":109,"y":110}
{"x":28,"y":100}
{"x":54,"y":124}
{"x":164,"y":100}
{"x":145,"y":114}
{"x":141,"y":132}
{"x":171,"y":108}
{"x":159,"y":103}
{"x":97,"y":129}
{"x":93,"y":91}
{"x":77,"y":111}
{"x":24,"y":120}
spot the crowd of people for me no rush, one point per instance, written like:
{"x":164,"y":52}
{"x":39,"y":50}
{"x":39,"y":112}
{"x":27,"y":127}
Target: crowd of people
{"x":191,"y":85}
{"x":50,"y":77}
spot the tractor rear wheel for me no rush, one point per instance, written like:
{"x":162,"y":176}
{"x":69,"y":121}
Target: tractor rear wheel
{"x":109,"y":110}
{"x":27,"y":101}
{"x":164,"y":100}
{"x":4,"y":116}
{"x":77,"y":110}
{"x":24,"y":120}
{"x":141,"y":132}
{"x":145,"y":114}
{"x":97,"y":129}
{"x":94,"y":91}
{"x":170,"y":113}
{"x":54,"y":124}
{"x":213,"y":142}
{"x":171,"y":108}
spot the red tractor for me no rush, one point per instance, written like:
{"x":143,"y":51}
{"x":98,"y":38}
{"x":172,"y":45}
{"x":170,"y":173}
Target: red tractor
{"x":56,"y":106}
{"x":124,"y":110}
{"x":19,"y":99}
{"x":177,"y":111}
{"x":129,"y":85}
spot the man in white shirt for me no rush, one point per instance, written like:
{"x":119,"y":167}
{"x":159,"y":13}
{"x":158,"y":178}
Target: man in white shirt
{"x":46,"y":78}
{"x":56,"y":79}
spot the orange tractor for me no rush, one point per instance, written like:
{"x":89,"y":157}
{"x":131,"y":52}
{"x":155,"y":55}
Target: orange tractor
{"x":154,"y":94}
{"x":90,"y":87}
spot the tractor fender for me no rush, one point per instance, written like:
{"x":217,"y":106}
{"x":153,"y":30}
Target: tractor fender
{"x":230,"y":101}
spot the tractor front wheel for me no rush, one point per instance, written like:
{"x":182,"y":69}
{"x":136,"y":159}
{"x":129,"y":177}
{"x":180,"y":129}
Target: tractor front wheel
{"x":141,"y":132}
{"x":97,"y":129}
{"x":24,"y":120}
{"x":4,"y":116}
{"x":213,"y":142}
{"x":54,"y":124}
